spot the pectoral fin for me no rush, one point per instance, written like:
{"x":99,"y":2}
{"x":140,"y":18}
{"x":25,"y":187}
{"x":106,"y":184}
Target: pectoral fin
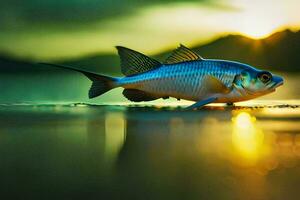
{"x":214,"y":85}
{"x":201,"y":103}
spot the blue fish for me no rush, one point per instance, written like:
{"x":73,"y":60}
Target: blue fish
{"x":184,"y":75}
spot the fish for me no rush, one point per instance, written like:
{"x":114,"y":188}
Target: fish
{"x":183,"y":75}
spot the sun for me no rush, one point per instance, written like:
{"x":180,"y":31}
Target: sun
{"x":257,"y":33}
{"x":257,"y":29}
{"x":257,"y":23}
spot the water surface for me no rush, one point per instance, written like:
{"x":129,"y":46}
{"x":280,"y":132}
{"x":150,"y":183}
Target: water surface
{"x":70,"y":151}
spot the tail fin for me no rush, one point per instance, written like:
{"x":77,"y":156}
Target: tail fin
{"x":100,"y":85}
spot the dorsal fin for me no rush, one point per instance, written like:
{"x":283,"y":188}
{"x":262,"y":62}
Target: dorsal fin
{"x":133,"y":62}
{"x":182,"y":54}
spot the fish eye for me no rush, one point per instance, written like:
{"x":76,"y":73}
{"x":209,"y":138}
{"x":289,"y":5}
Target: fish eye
{"x":265,"y":77}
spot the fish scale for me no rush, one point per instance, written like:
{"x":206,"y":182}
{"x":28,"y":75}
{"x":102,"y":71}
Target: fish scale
{"x":184,"y":80}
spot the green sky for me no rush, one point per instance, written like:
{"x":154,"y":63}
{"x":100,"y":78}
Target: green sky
{"x":52,"y":29}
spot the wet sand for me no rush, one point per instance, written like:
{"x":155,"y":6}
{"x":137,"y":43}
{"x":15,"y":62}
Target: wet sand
{"x":68,"y":151}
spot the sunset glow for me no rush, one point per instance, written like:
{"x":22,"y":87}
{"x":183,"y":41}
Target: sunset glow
{"x":257,"y":29}
{"x":151,"y":29}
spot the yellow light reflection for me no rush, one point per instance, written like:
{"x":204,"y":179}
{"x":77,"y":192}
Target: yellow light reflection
{"x":115,"y":134}
{"x":247,"y":138}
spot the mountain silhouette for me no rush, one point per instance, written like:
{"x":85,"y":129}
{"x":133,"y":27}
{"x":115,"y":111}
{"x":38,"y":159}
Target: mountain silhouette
{"x":278,"y":52}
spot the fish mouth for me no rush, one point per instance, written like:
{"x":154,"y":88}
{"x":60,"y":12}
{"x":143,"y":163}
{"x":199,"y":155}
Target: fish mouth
{"x":275,"y":86}
{"x":278,"y":82}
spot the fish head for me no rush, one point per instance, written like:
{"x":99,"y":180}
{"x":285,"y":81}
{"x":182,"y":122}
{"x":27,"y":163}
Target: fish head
{"x":257,"y":82}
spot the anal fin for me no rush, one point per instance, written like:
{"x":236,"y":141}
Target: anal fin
{"x":138,"y":95}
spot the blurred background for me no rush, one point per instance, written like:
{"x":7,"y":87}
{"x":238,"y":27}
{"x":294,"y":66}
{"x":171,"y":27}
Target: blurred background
{"x":83,"y":34}
{"x":52,"y":147}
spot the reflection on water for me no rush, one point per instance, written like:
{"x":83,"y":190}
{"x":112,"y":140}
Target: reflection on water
{"x":136,"y":152}
{"x":115,"y":134}
{"x":246,"y":136}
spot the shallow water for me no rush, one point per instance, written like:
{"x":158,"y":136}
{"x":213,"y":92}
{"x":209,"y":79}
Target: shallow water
{"x":67,"y":151}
